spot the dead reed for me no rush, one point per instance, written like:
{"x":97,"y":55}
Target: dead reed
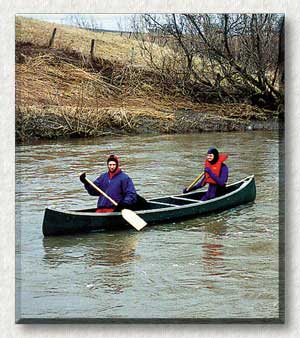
{"x":55,"y":122}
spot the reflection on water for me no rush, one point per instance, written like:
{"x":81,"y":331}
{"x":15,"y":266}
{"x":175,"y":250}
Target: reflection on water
{"x":111,"y":251}
{"x":213,"y":265}
{"x":219,"y":266}
{"x":212,"y":254}
{"x":96,"y":252}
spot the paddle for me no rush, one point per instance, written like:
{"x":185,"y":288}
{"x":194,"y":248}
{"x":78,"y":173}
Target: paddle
{"x":130,"y":216}
{"x":196,"y":180}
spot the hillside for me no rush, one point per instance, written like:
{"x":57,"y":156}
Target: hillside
{"x":62,"y":91}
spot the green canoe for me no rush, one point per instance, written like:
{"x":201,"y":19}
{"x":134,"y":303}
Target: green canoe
{"x":157,"y":210}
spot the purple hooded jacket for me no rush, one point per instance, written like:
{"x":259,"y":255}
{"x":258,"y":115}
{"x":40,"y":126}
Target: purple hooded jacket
{"x":119,"y":188}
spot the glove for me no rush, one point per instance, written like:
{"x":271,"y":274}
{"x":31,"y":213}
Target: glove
{"x":208,"y":170}
{"x":141,"y":202}
{"x":121,"y":205}
{"x":82,"y":178}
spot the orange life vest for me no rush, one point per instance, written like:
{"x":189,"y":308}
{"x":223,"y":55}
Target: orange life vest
{"x":215,"y":168}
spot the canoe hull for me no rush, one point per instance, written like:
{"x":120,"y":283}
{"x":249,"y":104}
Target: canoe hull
{"x":160,"y":210}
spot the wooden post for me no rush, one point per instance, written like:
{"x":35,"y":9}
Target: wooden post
{"x":132,"y":55}
{"x":52,"y":38}
{"x":92,"y":49}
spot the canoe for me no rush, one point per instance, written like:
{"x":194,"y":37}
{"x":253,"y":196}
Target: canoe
{"x":157,"y":210}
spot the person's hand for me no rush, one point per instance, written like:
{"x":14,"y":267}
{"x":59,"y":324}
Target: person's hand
{"x":82,"y":178}
{"x":121,"y":205}
{"x":208,"y":170}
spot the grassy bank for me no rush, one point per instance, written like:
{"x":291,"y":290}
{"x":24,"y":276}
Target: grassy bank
{"x":61,"y":91}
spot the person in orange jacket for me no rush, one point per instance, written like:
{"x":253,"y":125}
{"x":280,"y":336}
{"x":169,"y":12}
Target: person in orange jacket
{"x":215,"y":174}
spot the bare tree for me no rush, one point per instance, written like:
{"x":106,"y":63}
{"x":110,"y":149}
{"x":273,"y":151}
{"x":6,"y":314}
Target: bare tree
{"x":229,"y":57}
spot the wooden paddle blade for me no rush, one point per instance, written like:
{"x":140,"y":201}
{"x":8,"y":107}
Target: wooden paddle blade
{"x":132,"y":218}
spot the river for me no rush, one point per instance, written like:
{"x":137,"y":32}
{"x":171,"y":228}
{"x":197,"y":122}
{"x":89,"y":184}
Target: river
{"x":222,"y":266}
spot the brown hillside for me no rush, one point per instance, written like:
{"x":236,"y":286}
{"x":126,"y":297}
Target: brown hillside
{"x":63,"y":82}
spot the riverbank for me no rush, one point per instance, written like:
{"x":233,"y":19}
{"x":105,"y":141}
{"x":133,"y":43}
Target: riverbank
{"x":61,"y":92}
{"x":69,"y":122}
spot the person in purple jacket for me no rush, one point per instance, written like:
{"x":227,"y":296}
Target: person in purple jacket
{"x":215,"y":174}
{"x":116,"y":184}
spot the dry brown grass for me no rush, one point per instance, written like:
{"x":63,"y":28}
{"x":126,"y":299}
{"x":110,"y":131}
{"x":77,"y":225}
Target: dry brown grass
{"x":58,"y":83}
{"x":107,"y":45}
{"x":52,"y":122}
{"x":111,"y":46}
{"x":47,"y":78}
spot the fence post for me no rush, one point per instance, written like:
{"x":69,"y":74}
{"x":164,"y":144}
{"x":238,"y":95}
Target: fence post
{"x":92,"y":49}
{"x":132,"y":54}
{"x":52,"y":38}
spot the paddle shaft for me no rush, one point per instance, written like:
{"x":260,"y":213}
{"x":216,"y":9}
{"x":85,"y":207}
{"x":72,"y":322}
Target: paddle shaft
{"x":101,"y":192}
{"x":195,"y":181}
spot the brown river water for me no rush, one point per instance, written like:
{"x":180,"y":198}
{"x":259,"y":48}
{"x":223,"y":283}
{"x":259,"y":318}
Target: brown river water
{"x":221,"y":266}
